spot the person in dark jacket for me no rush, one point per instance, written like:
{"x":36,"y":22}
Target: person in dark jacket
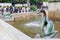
{"x":16,"y":10}
{"x":8,"y":9}
{"x":11,"y":9}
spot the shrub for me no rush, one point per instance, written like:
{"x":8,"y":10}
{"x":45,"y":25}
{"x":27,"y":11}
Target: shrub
{"x":32,"y":8}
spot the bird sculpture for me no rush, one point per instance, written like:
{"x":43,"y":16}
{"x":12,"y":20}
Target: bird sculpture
{"x":46,"y":26}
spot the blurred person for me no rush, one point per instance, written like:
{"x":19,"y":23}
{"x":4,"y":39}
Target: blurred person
{"x":1,"y":10}
{"x":25,"y":9}
{"x":13,"y":3}
{"x":7,"y":12}
{"x":5,"y":9}
{"x":8,"y":9}
{"x":11,"y":9}
{"x":19,"y":10}
{"x":39,"y":5}
{"x":28,"y":9}
{"x":16,"y":10}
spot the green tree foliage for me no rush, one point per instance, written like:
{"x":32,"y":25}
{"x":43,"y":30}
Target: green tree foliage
{"x":8,"y":0}
{"x":35,"y":1}
{"x":32,"y":8}
{"x":24,"y":1}
{"x":5,"y":0}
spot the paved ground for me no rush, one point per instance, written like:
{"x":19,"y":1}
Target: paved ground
{"x":8,"y":32}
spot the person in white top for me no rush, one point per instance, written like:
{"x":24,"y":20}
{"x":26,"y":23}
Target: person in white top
{"x":28,"y":9}
{"x":23,"y":9}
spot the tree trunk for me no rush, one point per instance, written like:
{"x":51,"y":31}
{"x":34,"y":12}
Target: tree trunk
{"x":28,"y":2}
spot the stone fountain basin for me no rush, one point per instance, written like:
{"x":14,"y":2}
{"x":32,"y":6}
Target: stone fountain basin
{"x":23,"y":18}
